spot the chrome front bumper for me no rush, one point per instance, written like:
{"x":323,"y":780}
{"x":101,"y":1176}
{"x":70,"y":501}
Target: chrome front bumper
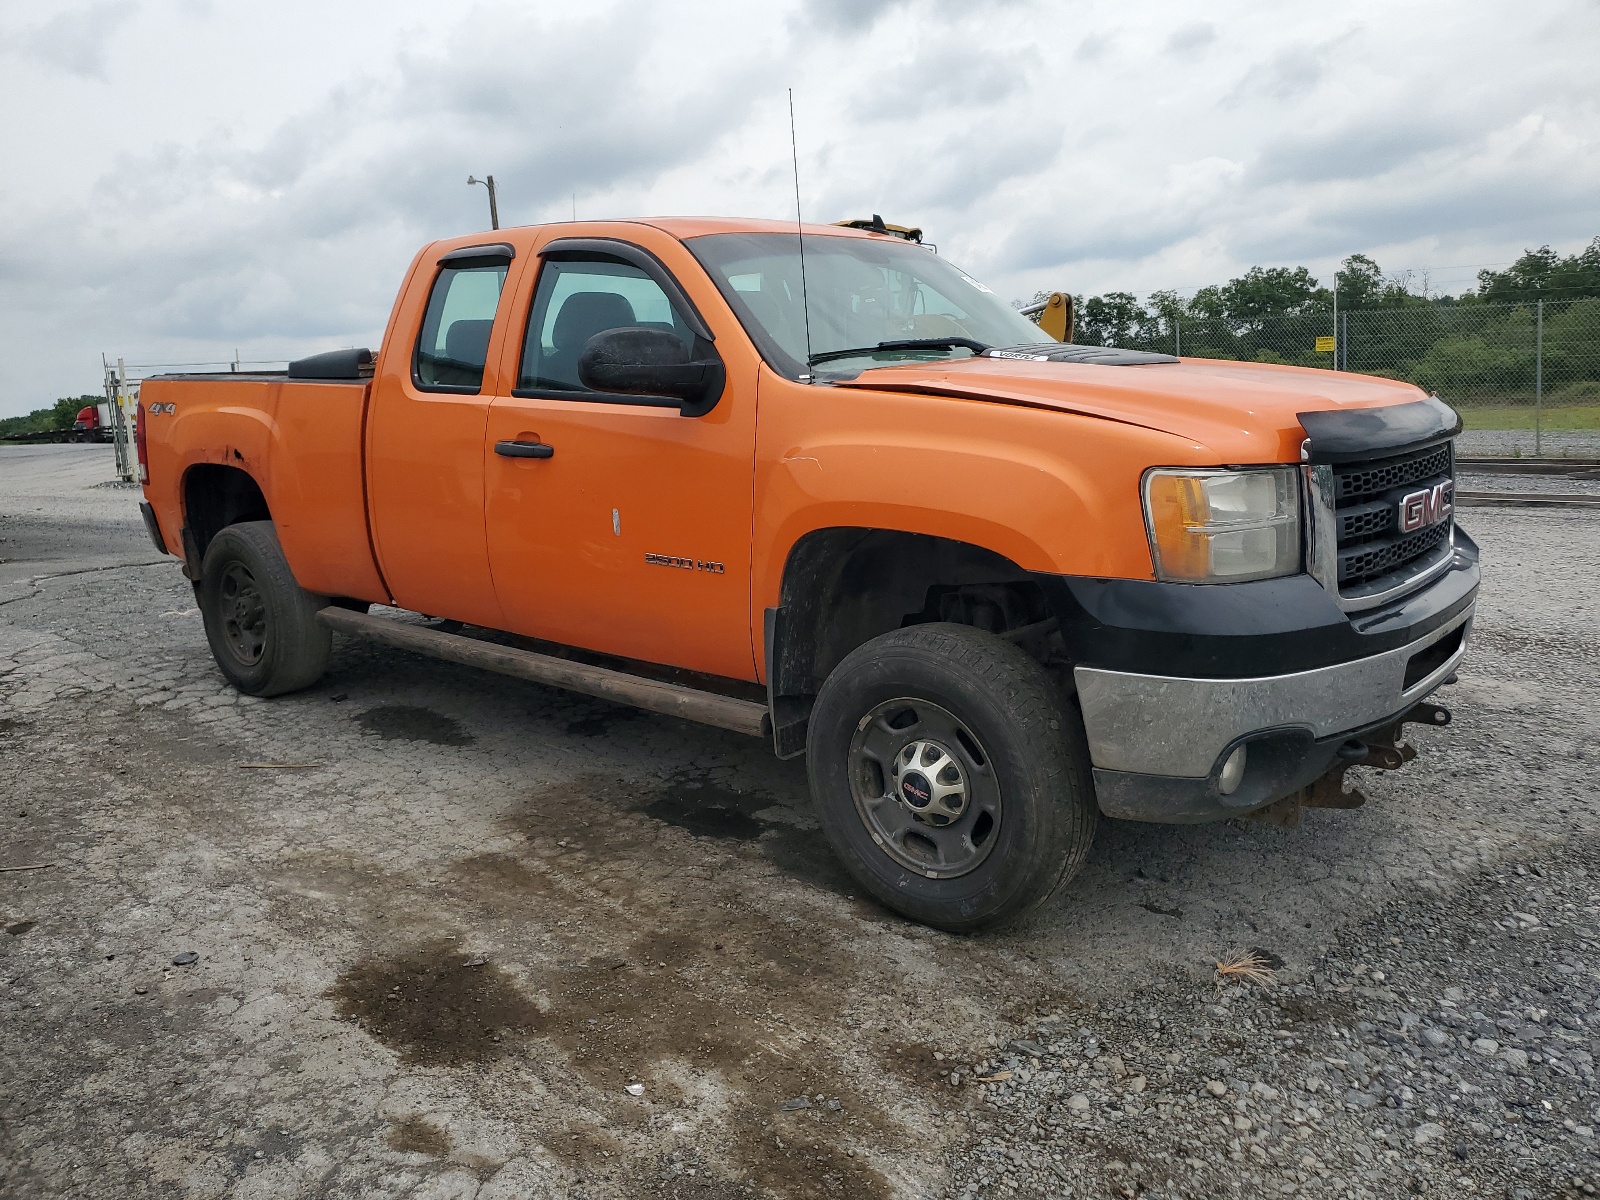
{"x":1154,"y":725}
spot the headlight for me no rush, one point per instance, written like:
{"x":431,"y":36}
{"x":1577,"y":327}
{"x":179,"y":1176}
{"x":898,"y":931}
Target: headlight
{"x":1223,"y":526}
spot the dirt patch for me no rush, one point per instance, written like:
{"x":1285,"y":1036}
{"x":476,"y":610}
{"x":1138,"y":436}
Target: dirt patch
{"x":686,"y":1001}
{"x":18,"y":928}
{"x":417,"y":1135}
{"x":609,"y":817}
{"x":686,"y":1006}
{"x":805,"y":854}
{"x":584,"y":1145}
{"x":922,"y":1065}
{"x":701,"y":1001}
{"x":501,"y":885}
{"x":1310,"y":1012}
{"x":601,"y":722}
{"x":409,"y":723}
{"x":584,"y":810}
{"x":437,"y":1006}
{"x":708,"y":809}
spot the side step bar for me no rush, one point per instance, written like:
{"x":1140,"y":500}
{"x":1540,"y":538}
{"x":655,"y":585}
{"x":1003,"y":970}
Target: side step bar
{"x":708,"y":708}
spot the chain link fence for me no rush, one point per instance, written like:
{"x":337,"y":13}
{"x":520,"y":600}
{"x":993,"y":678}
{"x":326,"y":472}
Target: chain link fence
{"x":1529,"y":374}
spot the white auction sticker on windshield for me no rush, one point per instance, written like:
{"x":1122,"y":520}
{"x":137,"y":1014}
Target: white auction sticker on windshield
{"x":972,"y":281}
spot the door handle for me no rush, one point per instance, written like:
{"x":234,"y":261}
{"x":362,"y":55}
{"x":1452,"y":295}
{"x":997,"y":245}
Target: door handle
{"x":524,"y":450}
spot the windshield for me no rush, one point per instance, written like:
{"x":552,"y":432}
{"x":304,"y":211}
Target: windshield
{"x":860,"y":292}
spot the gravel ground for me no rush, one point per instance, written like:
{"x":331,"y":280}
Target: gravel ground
{"x":1508,"y":443}
{"x":454,"y":936}
{"x":1444,"y":1047}
{"x":1554,"y":485}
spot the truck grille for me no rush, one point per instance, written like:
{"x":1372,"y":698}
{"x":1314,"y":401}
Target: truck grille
{"x":1374,"y":553}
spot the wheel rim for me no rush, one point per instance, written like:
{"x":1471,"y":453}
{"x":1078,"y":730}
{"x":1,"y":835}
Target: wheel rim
{"x":925,"y":788}
{"x":243,"y":614}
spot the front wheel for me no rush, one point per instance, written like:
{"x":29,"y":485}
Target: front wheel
{"x":261,"y":624}
{"x":950,"y":777}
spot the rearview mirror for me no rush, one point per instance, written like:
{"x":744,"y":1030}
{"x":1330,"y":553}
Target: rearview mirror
{"x":640,"y":361}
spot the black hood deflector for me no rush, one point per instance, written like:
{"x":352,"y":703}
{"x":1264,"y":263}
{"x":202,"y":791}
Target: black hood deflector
{"x":1349,"y":434}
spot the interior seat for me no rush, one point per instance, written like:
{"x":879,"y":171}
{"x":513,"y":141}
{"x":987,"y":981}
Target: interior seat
{"x":466,"y":347}
{"x":582,"y":315}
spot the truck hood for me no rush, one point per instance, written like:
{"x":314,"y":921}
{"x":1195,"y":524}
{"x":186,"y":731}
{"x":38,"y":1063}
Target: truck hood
{"x":1239,"y":412}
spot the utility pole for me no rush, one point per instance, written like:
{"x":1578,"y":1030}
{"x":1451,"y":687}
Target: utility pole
{"x":494,"y":209}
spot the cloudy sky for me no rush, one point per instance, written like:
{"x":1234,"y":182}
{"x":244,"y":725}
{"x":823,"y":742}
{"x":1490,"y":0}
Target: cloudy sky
{"x":187,"y":179}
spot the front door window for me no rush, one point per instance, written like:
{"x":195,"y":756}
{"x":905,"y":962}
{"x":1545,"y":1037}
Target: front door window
{"x":576,"y":300}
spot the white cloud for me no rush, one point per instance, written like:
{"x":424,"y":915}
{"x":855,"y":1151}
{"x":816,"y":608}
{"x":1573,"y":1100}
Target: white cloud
{"x":75,"y":41}
{"x":1192,"y":38}
{"x":185,"y":179}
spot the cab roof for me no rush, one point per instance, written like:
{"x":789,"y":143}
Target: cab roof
{"x":684,"y":228}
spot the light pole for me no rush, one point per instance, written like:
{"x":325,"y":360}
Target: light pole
{"x":494,"y":209}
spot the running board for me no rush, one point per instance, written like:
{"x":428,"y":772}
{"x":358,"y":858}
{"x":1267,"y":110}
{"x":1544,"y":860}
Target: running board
{"x":674,"y":700}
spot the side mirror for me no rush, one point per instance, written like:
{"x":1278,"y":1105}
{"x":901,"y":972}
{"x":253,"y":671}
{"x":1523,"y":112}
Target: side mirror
{"x":641,"y":361}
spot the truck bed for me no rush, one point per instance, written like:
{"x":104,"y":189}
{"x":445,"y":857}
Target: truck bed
{"x":300,"y":439}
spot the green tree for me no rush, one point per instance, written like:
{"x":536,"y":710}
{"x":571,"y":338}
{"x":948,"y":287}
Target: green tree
{"x":1110,"y":320}
{"x":1359,"y":280}
{"x":1167,"y":309}
{"x":1262,"y":293}
{"x":59,"y":415}
{"x":1543,"y":274}
{"x":1209,"y":304}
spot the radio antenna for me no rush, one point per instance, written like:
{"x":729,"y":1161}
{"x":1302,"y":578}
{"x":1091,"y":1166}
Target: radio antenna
{"x":800,"y":231}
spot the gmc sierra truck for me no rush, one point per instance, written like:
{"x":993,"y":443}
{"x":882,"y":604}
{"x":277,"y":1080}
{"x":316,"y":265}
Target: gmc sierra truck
{"x":823,"y":487}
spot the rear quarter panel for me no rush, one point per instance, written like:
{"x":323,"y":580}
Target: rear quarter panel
{"x":300,"y":442}
{"x":225,"y":422}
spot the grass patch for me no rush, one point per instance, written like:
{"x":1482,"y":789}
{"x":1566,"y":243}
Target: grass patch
{"x":1520,"y":416}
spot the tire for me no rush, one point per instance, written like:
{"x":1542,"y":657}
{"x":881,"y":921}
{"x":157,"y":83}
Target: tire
{"x":261,"y":624}
{"x":1000,"y":745}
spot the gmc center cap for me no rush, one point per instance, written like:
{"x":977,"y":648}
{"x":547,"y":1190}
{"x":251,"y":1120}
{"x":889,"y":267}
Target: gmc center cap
{"x":915,"y":790}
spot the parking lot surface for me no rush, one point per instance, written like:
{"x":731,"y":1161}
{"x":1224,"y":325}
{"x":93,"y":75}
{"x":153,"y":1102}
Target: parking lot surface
{"x":420,"y":931}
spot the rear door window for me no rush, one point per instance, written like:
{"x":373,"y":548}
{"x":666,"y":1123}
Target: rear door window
{"x":454,"y":342}
{"x":577,"y":299}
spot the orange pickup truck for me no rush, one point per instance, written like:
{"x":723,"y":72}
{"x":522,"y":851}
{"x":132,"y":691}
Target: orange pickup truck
{"x":823,"y":487}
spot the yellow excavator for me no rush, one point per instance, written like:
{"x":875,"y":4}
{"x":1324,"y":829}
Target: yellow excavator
{"x":1055,"y":311}
{"x":1055,"y":315}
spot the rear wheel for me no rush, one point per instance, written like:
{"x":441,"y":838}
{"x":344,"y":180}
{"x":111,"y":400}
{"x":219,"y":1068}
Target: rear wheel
{"x":950,"y":777}
{"x":261,"y":624}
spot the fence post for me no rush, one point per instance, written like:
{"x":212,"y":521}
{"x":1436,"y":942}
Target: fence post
{"x":1344,"y":341}
{"x":1177,"y":339}
{"x":1538,"y":379}
{"x":1336,"y":322}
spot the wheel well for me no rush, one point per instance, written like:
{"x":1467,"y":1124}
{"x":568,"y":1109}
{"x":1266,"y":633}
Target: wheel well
{"x":215,"y":497}
{"x":844,"y":587}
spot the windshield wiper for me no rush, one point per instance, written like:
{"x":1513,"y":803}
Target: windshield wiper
{"x":944,"y":343}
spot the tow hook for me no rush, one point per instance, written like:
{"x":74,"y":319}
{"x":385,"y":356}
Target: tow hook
{"x":1382,"y":749}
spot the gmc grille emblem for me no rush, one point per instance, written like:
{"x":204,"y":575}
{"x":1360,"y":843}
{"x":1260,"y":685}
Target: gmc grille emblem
{"x":1418,"y":510}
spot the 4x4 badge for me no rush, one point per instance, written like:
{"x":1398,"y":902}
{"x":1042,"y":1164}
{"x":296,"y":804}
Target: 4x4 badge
{"x":1427,"y":507}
